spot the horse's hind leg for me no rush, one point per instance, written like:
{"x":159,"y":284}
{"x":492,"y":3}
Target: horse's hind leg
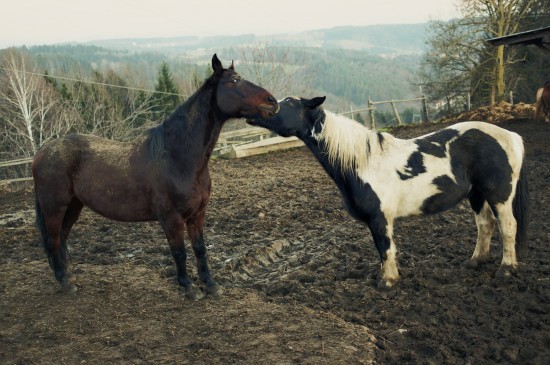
{"x":55,"y":247}
{"x":508,"y":226}
{"x":195,"y":232}
{"x":70,"y":218}
{"x":485,"y":221}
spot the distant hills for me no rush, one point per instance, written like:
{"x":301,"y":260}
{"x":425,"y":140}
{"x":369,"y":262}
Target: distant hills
{"x":347,"y":64}
{"x":382,"y":40}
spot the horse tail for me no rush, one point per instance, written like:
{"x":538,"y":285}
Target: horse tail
{"x":521,"y":211}
{"x":41,"y":223}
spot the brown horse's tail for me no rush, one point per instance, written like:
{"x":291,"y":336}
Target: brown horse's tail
{"x":521,"y":209}
{"x":41,"y":223}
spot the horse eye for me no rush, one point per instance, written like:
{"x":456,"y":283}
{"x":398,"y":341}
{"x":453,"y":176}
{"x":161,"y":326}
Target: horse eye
{"x":235,"y":81}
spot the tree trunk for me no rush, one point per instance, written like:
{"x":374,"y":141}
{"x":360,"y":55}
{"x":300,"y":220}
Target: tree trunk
{"x":499,"y":73}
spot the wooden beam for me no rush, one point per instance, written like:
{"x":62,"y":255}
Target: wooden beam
{"x":264,"y":146}
{"x":19,"y":161}
{"x":5,"y":182}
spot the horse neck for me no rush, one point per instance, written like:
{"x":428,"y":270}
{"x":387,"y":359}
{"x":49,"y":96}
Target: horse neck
{"x":318,"y":151}
{"x":191,"y":132}
{"x":345,"y":147}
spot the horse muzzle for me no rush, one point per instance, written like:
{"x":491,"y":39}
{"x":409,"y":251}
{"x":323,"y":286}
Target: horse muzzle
{"x":268,"y":110}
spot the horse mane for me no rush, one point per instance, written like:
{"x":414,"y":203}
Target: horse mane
{"x":181,"y":118}
{"x":156,"y":142}
{"x":347,"y":142}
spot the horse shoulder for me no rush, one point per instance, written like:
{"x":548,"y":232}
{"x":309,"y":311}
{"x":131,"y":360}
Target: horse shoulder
{"x":382,"y":174}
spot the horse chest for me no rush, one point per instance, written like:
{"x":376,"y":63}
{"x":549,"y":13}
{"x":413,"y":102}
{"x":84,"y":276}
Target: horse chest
{"x":186,"y":193}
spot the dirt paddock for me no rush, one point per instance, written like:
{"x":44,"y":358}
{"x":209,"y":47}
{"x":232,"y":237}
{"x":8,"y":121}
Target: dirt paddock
{"x":299,"y":277}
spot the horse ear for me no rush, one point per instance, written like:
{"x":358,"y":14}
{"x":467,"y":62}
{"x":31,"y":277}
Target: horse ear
{"x":315,"y":102}
{"x":216,"y":64}
{"x":232,"y":67}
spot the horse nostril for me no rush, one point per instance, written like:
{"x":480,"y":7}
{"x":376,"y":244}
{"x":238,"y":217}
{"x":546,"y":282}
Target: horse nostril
{"x":271,"y":99}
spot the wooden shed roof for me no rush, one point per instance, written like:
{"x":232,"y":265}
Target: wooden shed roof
{"x":539,"y":37}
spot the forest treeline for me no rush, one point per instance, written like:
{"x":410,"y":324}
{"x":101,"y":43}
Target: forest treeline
{"x":48,"y":91}
{"x":350,"y":75}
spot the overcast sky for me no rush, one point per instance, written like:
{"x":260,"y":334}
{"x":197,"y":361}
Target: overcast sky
{"x":31,"y":22}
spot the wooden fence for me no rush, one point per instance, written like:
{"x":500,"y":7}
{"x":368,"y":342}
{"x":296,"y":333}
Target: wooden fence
{"x":254,"y":140}
{"x":19,"y":161}
{"x":233,"y":144}
{"x":372,"y":107}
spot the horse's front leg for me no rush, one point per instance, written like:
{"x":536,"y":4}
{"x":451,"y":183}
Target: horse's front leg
{"x":195,"y":232}
{"x":382,"y":233}
{"x":174,"y":228}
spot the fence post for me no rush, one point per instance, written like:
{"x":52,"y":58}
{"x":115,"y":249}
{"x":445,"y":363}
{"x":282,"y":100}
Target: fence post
{"x":371,"y":115}
{"x":424,"y":110}
{"x":397,"y":117}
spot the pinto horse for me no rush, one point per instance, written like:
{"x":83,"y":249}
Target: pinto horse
{"x":381,"y":177}
{"x":542,"y":104}
{"x":160,"y":176}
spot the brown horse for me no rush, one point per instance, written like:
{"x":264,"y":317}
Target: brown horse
{"x":542,"y":107}
{"x":161,"y":176}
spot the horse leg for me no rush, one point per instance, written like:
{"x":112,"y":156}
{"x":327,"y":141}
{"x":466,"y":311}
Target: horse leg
{"x":382,"y":233}
{"x":56,"y":249}
{"x":538,"y":103}
{"x":174,"y":228}
{"x":57,"y":246}
{"x":545,"y":106}
{"x":71,"y":216}
{"x":485,"y":221}
{"x":195,"y":232}
{"x":508,"y":226}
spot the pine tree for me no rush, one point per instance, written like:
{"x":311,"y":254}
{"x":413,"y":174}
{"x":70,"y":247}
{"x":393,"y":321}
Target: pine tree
{"x":167,"y":96}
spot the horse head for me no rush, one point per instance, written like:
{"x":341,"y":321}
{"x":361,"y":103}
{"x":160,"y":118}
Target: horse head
{"x":295,"y":116}
{"x":240,"y":98}
{"x":542,"y":103}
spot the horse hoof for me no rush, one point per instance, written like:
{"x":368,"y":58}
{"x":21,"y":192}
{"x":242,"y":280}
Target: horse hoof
{"x":214,"y":290}
{"x":192,"y":293}
{"x":471,"y":264}
{"x":505,"y":271}
{"x":475,"y":263}
{"x":385,"y":284}
{"x":67,"y":288}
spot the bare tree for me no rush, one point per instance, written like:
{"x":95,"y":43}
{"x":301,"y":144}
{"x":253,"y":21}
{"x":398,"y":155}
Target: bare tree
{"x":30,"y":102}
{"x":498,"y":18}
{"x":448,"y":69}
{"x":278,"y":69}
{"x":459,"y":57}
{"x":107,"y":107}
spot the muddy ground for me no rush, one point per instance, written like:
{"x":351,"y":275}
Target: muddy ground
{"x":299,"y":277}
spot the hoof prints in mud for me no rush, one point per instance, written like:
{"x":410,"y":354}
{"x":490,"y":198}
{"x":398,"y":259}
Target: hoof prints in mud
{"x":303,"y":250}
{"x":259,"y":264}
{"x":289,"y":267}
